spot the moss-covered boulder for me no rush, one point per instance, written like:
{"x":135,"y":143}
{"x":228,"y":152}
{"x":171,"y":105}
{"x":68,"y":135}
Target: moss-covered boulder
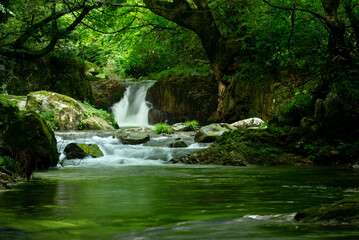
{"x":80,"y":151}
{"x":29,"y":140}
{"x":344,"y":211}
{"x":68,"y":114}
{"x":210,"y":133}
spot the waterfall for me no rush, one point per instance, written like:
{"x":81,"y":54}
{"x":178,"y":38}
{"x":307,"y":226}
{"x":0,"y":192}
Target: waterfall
{"x":133,"y":109}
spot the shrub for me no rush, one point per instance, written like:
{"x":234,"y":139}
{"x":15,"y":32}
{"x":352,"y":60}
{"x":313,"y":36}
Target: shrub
{"x":162,"y":128}
{"x":193,"y":124}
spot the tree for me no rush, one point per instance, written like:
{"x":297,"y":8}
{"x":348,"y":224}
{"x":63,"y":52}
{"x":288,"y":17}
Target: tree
{"x":33,"y":31}
{"x":337,"y":28}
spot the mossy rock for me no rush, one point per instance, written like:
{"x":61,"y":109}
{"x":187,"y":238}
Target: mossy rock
{"x":80,"y":151}
{"x":92,"y":150}
{"x":69,"y":114}
{"x":246,"y":147}
{"x":344,"y":211}
{"x":210,"y":133}
{"x":30,"y":140}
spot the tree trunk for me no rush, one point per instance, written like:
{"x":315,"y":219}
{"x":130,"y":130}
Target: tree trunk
{"x":337,"y":45}
{"x":353,"y":18}
{"x":200,"y":20}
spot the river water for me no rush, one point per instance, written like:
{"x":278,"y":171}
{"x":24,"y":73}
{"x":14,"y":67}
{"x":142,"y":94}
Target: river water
{"x":132,"y":193}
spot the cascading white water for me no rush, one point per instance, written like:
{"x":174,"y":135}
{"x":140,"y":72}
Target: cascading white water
{"x":133,"y":109}
{"x":154,"y":152}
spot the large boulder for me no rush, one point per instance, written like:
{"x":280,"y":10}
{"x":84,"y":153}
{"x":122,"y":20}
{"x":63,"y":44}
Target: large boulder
{"x":69,"y":114}
{"x":30,"y":141}
{"x":210,"y":133}
{"x":182,"y":99}
{"x":107,"y":92}
{"x":80,"y":151}
{"x":59,"y":74}
{"x":134,"y":138}
{"x":245,"y":98}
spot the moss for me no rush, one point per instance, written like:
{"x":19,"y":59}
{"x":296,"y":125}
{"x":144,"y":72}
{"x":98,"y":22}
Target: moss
{"x":243,"y":147}
{"x":29,"y":138}
{"x":91,"y":149}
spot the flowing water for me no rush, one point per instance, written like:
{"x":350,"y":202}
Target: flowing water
{"x":133,"y":109}
{"x":131,"y":193}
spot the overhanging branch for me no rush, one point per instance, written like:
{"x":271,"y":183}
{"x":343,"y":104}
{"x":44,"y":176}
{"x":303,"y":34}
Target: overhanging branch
{"x":295,"y":9}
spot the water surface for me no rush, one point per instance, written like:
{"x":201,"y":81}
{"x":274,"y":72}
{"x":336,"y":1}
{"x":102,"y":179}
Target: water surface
{"x":173,"y":202}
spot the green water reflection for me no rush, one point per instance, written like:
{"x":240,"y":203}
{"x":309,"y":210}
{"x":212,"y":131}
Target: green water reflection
{"x":152,"y":201}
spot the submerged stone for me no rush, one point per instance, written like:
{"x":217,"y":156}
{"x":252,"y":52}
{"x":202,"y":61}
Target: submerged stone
{"x":344,"y":211}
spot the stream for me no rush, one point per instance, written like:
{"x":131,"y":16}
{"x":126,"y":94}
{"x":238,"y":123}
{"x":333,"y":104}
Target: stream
{"x":132,"y":193}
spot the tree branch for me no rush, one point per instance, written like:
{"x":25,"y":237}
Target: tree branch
{"x":295,"y":9}
{"x":28,"y":32}
{"x":55,"y":38}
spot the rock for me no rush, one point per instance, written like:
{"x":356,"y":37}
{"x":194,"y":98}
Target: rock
{"x":344,"y":211}
{"x":210,"y":133}
{"x":29,"y":138}
{"x":243,"y":99}
{"x":69,"y":114}
{"x":61,"y":74}
{"x":76,"y":150}
{"x":182,"y":127}
{"x":135,"y":138}
{"x":243,"y":147}
{"x":356,"y":166}
{"x":248,"y":123}
{"x":107,"y":92}
{"x":178,"y":144}
{"x":228,"y":126}
{"x":309,"y":126}
{"x":177,"y":100}
{"x":91,"y":68}
{"x":335,"y":119}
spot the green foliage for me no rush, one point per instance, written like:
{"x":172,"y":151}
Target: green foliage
{"x":9,"y":164}
{"x":300,"y":98}
{"x":162,"y":128}
{"x":92,"y":111}
{"x":193,"y":124}
{"x":49,"y":117}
